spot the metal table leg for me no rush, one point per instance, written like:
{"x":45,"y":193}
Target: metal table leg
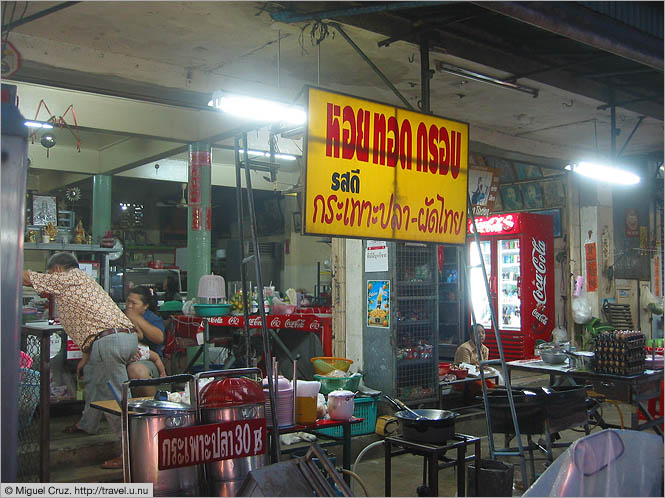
{"x":461,"y":467}
{"x":478,"y":464}
{"x":44,"y":404}
{"x":346,"y":451}
{"x":387,"y":456}
{"x":433,"y":462}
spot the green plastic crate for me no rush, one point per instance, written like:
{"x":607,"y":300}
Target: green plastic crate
{"x":363,"y":408}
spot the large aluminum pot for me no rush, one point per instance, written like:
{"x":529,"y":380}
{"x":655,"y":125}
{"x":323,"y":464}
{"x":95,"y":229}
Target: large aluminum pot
{"x":140,"y":441}
{"x":153,"y":416}
{"x":225,"y":400}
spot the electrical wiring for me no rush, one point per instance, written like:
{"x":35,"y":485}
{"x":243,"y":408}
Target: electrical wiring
{"x":357,"y":478}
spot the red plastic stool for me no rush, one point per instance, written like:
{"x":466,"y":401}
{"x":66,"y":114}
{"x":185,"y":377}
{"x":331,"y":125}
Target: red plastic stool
{"x":655,"y":406}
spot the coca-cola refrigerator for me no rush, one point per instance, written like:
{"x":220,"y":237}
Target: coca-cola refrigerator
{"x":518,"y":252}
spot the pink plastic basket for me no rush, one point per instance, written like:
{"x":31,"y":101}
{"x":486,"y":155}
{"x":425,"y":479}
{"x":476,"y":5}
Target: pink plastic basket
{"x":25,"y":361}
{"x":283,"y":309}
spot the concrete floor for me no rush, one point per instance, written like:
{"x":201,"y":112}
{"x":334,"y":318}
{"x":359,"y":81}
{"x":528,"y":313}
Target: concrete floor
{"x":85,"y":453}
{"x":407,"y":470}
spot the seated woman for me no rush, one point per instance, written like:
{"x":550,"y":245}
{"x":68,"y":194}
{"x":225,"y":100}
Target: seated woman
{"x":468,"y":353}
{"x":140,"y":307}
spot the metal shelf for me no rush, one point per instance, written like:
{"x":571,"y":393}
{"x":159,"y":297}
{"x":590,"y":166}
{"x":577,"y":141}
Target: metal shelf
{"x":415,"y":298}
{"x":413,"y":363}
{"x":414,"y":283}
{"x":59,"y":246}
{"x":413,"y":322}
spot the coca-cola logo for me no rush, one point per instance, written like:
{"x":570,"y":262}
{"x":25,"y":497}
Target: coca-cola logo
{"x":494,"y":224}
{"x":255,"y":322}
{"x":314,"y":325}
{"x":275,"y":323}
{"x":539,"y":260}
{"x":294,"y":324}
{"x":234,"y":320}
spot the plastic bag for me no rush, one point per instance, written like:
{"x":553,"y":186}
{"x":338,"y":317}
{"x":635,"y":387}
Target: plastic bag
{"x":581,"y":309}
{"x":651,"y":303}
{"x":559,"y":335}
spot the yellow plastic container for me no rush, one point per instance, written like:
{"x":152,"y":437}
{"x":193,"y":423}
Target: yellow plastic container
{"x":325,"y":364}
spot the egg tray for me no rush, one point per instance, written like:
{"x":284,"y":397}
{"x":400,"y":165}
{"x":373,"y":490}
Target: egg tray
{"x":629,"y":356}
{"x":619,"y":367}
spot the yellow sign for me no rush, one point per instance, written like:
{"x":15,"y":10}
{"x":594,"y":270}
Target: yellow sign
{"x":381,"y":172}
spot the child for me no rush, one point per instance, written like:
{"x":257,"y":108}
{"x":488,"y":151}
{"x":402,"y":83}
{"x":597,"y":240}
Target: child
{"x":148,"y":354}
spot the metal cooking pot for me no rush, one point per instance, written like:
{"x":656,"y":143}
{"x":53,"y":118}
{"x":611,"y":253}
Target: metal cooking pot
{"x":553,"y":357}
{"x":231,"y":398}
{"x":529,"y":408}
{"x":424,"y":425}
{"x":140,"y":443}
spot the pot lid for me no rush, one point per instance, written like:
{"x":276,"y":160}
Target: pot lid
{"x":155,"y":406}
{"x":231,"y":391}
{"x":341,"y":393}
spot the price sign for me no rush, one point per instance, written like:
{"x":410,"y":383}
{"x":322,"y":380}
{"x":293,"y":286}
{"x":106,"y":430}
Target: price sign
{"x":210,"y":443}
{"x":11,"y":59}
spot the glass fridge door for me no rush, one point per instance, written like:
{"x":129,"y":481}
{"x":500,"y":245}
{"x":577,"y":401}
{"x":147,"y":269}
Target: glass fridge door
{"x":508,"y":256}
{"x":479,"y":301}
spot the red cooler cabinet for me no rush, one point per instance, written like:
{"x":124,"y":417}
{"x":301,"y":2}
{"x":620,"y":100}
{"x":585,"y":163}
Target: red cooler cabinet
{"x":518,"y":250}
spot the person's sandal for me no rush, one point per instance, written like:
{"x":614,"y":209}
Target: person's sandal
{"x":74,"y":429}
{"x":113,"y":463}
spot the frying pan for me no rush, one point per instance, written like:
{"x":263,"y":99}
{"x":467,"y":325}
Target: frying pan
{"x":424,"y":425}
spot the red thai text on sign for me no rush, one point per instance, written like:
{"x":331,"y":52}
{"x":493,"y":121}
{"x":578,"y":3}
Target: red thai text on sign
{"x":210,"y":443}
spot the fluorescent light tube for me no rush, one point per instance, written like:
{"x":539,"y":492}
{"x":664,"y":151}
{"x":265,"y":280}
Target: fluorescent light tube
{"x":38,"y":124}
{"x":258,"y":109}
{"x":604,"y":173}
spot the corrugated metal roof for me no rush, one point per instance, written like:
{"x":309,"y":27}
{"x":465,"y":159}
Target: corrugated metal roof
{"x":645,"y":16}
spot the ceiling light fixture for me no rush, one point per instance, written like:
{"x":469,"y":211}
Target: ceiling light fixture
{"x":257,"y":109}
{"x":483,"y":78}
{"x":38,"y":124}
{"x":285,"y":157}
{"x":604,"y":173}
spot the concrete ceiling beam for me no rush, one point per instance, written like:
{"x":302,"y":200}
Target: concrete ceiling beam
{"x":132,"y":152}
{"x":121,"y":116}
{"x":50,"y":181}
{"x":66,"y":159}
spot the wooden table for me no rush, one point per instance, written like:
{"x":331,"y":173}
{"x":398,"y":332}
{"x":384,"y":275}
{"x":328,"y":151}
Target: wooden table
{"x":461,"y":382}
{"x":111,"y":406}
{"x":317,"y":323}
{"x":630,"y":389}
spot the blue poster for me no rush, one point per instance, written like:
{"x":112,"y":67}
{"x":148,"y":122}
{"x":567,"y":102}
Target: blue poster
{"x":378,"y":303}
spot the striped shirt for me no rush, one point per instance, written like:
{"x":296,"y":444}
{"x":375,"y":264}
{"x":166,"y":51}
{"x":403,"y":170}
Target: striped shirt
{"x":84,"y":307}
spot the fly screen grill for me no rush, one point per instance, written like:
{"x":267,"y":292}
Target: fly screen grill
{"x":29,"y":416}
{"x":416,"y":319}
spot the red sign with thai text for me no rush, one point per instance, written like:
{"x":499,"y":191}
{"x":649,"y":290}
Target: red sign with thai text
{"x":195,"y":184}
{"x":591,"y":267}
{"x":209,"y":443}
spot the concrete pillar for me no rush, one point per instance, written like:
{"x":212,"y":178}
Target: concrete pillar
{"x":592,"y":236}
{"x":198,"y":215}
{"x":355,"y":298}
{"x":101,"y":206}
{"x":339,"y":296}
